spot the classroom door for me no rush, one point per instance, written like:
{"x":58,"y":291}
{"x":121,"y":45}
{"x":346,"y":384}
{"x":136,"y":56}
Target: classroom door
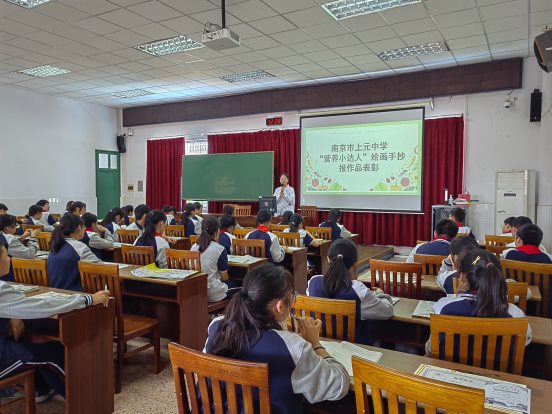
{"x":108,"y":181}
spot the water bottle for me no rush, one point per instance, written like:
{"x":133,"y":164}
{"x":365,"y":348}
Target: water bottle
{"x":450,"y":201}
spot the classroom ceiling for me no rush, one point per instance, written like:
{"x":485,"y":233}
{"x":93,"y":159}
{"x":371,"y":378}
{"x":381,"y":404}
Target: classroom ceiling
{"x":297,"y":41}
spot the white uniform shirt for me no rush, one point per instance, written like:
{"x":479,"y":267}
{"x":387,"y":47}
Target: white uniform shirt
{"x":285,"y":203}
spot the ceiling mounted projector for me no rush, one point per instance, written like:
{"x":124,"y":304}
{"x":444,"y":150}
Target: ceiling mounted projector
{"x":220,"y":39}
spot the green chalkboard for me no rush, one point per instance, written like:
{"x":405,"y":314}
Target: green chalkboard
{"x":228,"y":177}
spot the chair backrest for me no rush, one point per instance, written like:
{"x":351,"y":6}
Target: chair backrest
{"x":324,"y":233}
{"x":397,"y":278}
{"x":56,"y":216}
{"x":255,"y":248}
{"x":492,"y":240}
{"x":195,"y":371}
{"x":193,"y":239}
{"x":418,"y":394}
{"x":241,"y":233}
{"x":132,"y":219}
{"x":127,"y":236}
{"x":44,"y":239}
{"x":420,"y":242}
{"x":288,"y":239}
{"x":338,"y":316}
{"x":495,"y":249}
{"x":240,"y":211}
{"x":33,"y":227}
{"x":462,"y":234}
{"x":175,"y":231}
{"x":476,"y":342}
{"x":95,"y":277}
{"x":535,"y":274}
{"x":309,"y":215}
{"x":26,"y":402}
{"x":278,"y":227}
{"x":518,"y":290}
{"x":183,"y":259}
{"x":430,"y":263}
{"x":30,"y":271}
{"x":137,"y":255}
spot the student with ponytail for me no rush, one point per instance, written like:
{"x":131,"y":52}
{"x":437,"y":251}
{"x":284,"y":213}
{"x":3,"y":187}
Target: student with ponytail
{"x":76,"y":207}
{"x":170,"y":212}
{"x":34,"y":216}
{"x":47,"y":219}
{"x":285,"y":218}
{"x":333,"y":221}
{"x":187,"y":219}
{"x":65,"y":252}
{"x":226,"y":236}
{"x":296,"y":226}
{"x":128,"y":210}
{"x":113,"y":221}
{"x":251,"y":330}
{"x":154,"y":227}
{"x":14,"y":244}
{"x":214,"y":260}
{"x":340,"y":282}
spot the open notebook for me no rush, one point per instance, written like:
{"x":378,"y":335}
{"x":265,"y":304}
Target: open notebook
{"x":344,"y":351}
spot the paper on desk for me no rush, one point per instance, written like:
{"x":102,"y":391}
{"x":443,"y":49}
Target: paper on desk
{"x":395,"y":299}
{"x":41,"y":253}
{"x":424,"y":309}
{"x":117,"y":244}
{"x":247,"y":259}
{"x":292,"y":248}
{"x":25,"y":288}
{"x":507,"y":397}
{"x":122,"y":265}
{"x":50,"y":295}
{"x":344,"y":351}
{"x":152,"y":271}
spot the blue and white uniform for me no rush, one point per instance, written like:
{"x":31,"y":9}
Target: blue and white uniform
{"x":338,"y":230}
{"x":285,"y":203}
{"x":47,"y":219}
{"x":213,"y":261}
{"x":369,"y":305}
{"x":135,"y":226}
{"x":171,"y":221}
{"x":527,"y":253}
{"x":438,"y":247}
{"x":97,"y":243}
{"x":295,"y":370}
{"x":189,"y":227}
{"x":159,"y":249}
{"x":63,"y":268}
{"x":47,"y":227}
{"x":197,"y":223}
{"x":305,"y":239}
{"x":226,"y":239}
{"x":274,"y":252}
{"x":113,"y":228}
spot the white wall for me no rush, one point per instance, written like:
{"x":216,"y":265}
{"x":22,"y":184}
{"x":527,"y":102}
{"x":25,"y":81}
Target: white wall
{"x":47,"y":148}
{"x":498,"y":139}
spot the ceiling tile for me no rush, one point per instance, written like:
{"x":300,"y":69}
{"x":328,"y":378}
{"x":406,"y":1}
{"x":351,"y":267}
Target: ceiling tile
{"x":261,"y":42}
{"x":128,"y":38}
{"x":34,"y":19}
{"x":91,"y":7}
{"x":345,"y":71}
{"x":438,"y":57}
{"x":540,"y":5}
{"x":272,"y":25}
{"x":365,"y":22}
{"x":155,"y":11}
{"x":465,"y":42}
{"x":293,"y":60}
{"x":414,"y":26}
{"x":249,"y":57}
{"x":214,"y":16}
{"x":286,"y":6}
{"x":471,"y":51}
{"x":131,"y":54}
{"x":387,"y":44}
{"x":245,"y":31}
{"x":155,"y":31}
{"x":467,"y":30}
{"x":379,"y":33}
{"x":355,"y":50}
{"x":124,"y":18}
{"x":310,"y":46}
{"x":292,"y":36}
{"x":364,"y":59}
{"x":404,"y":63}
{"x":421,"y":38}
{"x":190,"y":6}
{"x":373,"y":67}
{"x":270,"y":64}
{"x":62,"y":12}
{"x":109,"y":58}
{"x":322,"y":55}
{"x":508,"y":35}
{"x":508,"y":23}
{"x":341,"y":41}
{"x":539,"y":18}
{"x":16,"y":28}
{"x":98,"y":26}
{"x":448,"y":6}
{"x":320,"y":31}
{"x":103,"y":43}
{"x":509,"y":46}
{"x":250,"y":10}
{"x":307,"y":67}
{"x":405,"y":13}
{"x":277,"y":52}
{"x":310,"y":17}
{"x":511,"y":8}
{"x":126,"y":3}
{"x":183,"y":25}
{"x":457,"y":18}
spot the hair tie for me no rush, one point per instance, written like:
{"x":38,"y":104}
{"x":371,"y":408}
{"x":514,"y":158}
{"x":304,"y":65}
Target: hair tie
{"x":476,"y":260}
{"x":489,"y":265}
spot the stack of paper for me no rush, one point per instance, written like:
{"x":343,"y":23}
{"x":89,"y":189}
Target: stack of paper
{"x":424,"y":309}
{"x":25,"y":288}
{"x":344,"y":351}
{"x":292,"y":249}
{"x":52,"y":295}
{"x":506,"y":397}
{"x":395,"y":299}
{"x":247,"y":259}
{"x":152,"y":271}
{"x":41,"y":254}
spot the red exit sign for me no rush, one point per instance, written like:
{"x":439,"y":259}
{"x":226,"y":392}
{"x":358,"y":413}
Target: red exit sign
{"x":277,"y":120}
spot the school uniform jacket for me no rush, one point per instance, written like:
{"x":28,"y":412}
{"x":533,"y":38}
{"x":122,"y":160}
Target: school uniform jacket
{"x":112,"y":229}
{"x":197,"y":224}
{"x":63,"y":268}
{"x":338,"y":230}
{"x":527,"y":253}
{"x":171,"y":221}
{"x":226,"y":240}
{"x":295,"y":371}
{"x":513,"y":246}
{"x":213,"y":261}
{"x":305,"y":239}
{"x":16,"y":248}
{"x":47,"y":227}
{"x":437,"y":247}
{"x":135,"y":226}
{"x":159,"y":249}
{"x":369,"y":305}
{"x":97,"y":243}
{"x":189,"y":227}
{"x":47,"y":219}
{"x":274,"y":252}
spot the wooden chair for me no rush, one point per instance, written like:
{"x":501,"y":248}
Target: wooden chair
{"x":462,"y":235}
{"x":492,"y":240}
{"x":241,"y":233}
{"x":240,"y":211}
{"x":430,"y":263}
{"x":338,"y":316}
{"x":324,"y":233}
{"x":210,"y":371}
{"x":21,"y":219}
{"x":390,"y":389}
{"x":127,"y":236}
{"x":255,"y":248}
{"x":94,"y":277}
{"x":137,"y":255}
{"x":24,"y":380}
{"x":183,"y":259}
{"x":535,"y":274}
{"x":519,"y":290}
{"x":397,"y":278}
{"x":30,"y":271}
{"x":56,"y":216}
{"x":288,"y":239}
{"x":464,"y":334}
{"x":175,"y":231}
{"x":44,"y":239}
{"x":420,"y":242}
{"x":496,"y":250}
{"x":278,"y":227}
{"x":309,"y":215}
{"x":193,"y":239}
{"x":33,"y":227}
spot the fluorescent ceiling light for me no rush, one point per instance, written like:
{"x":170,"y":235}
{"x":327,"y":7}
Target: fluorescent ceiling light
{"x":168,"y":46}
{"x":247,"y":76}
{"x":43,"y":71}
{"x":418,"y":50}
{"x":133,"y":93}
{"x":29,"y":4}
{"x":343,"y":9}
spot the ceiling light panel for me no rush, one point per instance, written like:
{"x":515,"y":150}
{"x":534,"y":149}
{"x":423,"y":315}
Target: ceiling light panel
{"x":43,"y":71}
{"x":418,"y":50}
{"x":343,"y":9}
{"x":247,"y":76}
{"x":29,"y":4}
{"x":133,"y":93}
{"x":169,"y":46}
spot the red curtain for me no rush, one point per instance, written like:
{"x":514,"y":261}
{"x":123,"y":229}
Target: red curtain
{"x":163,"y":172}
{"x":285,"y":143}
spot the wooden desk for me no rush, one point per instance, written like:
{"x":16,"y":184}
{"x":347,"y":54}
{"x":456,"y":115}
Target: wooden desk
{"x":296,"y":262}
{"x":87,"y":336}
{"x":319,"y":256}
{"x":181,"y":244}
{"x":247,"y":221}
{"x":180,"y":306}
{"x":237,"y":271}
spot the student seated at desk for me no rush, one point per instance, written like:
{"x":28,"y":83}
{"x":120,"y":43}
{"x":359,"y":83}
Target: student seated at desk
{"x":140,"y":213}
{"x":273,"y":251}
{"x":444,"y":232}
{"x":226,"y":236}
{"x":14,"y":244}
{"x":47,"y":358}
{"x":333,"y":221}
{"x":449,"y":266}
{"x":214,"y":261}
{"x":3,"y":209}
{"x":228,"y":210}
{"x":113,"y":221}
{"x":154,"y":228}
{"x":128,"y":211}
{"x":47,"y":219}
{"x":507,"y":226}
{"x":65,"y":252}
{"x":483,"y":291}
{"x":170,"y":212}
{"x":34,"y":216}
{"x":251,"y":330}
{"x":76,"y":207}
{"x":187,"y":220}
{"x":519,"y":222}
{"x":97,"y":237}
{"x":296,"y":226}
{"x":528,"y":240}
{"x":197,"y":216}
{"x":340,"y":282}
{"x":458,"y":215}
{"x":285,"y":218}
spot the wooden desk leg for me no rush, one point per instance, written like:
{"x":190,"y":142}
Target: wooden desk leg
{"x":117,"y":255}
{"x":87,"y":335}
{"x":324,"y":249}
{"x":299,"y":270}
{"x":548,"y":362}
{"x":192,"y":304}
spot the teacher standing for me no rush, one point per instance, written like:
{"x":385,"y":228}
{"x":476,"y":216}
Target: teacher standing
{"x":285,"y":196}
